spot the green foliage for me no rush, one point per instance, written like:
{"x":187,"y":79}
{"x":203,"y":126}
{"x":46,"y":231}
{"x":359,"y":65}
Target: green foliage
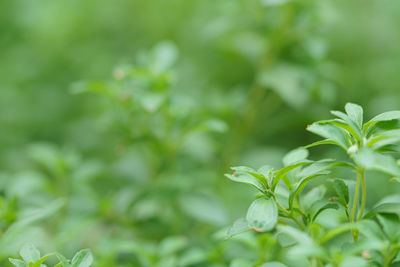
{"x":119,"y":118}
{"x":31,"y":258}
{"x":294,"y":217}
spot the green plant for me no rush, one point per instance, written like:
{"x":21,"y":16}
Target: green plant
{"x":348,"y":234}
{"x":31,"y":258}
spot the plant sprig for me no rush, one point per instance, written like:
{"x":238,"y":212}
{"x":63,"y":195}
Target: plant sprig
{"x":370,"y":146}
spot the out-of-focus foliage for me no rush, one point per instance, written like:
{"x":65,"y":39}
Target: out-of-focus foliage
{"x":119,"y":118}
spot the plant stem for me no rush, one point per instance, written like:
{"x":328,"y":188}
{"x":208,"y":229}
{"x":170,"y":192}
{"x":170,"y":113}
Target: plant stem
{"x":364,"y":194}
{"x":289,"y":214}
{"x":355,"y":201}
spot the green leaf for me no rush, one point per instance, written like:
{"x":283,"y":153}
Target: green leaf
{"x":300,"y":186}
{"x":390,"y":224}
{"x":242,"y":177}
{"x":390,"y":204}
{"x":39,"y":262}
{"x":241,"y":263}
{"x":385,"y":138}
{"x":83,"y":258}
{"x":239,"y":226}
{"x":387,"y":116}
{"x":63,"y":261}
{"x":341,"y":189}
{"x":346,"y":125}
{"x":18,"y":263}
{"x":332,"y":133}
{"x":295,"y":155}
{"x":280,"y":173}
{"x":29,"y":253}
{"x":371,"y":230}
{"x":355,"y":113}
{"x":262,"y":215}
{"x":312,"y":196}
{"x":243,"y":169}
{"x":300,"y":237}
{"x":323,"y":142}
{"x":320,"y":206}
{"x":354,"y":261}
{"x":343,"y":228}
{"x":372,"y":160}
{"x":171,"y":245}
{"x":273,"y":264}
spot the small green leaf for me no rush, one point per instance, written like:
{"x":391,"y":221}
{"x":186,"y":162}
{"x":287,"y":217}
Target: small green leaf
{"x":239,"y":226}
{"x":320,"y":206}
{"x":295,"y":155}
{"x":371,"y":230}
{"x":387,"y":116}
{"x":300,"y":186}
{"x":390,"y":204}
{"x":18,"y":263}
{"x":243,"y":169}
{"x":372,"y":160}
{"x":355,"y":113}
{"x":346,"y":125}
{"x":63,"y":261}
{"x":322,"y":142}
{"x":280,"y":173}
{"x":29,"y":253}
{"x":343,"y":228}
{"x":262,"y":215}
{"x":383,"y":139}
{"x":171,"y":245}
{"x":300,"y":237}
{"x":83,"y":258}
{"x":312,"y":196}
{"x":354,"y":261}
{"x":332,"y":133}
{"x":39,"y":262}
{"x":390,"y":224}
{"x":273,"y":264}
{"x":246,"y":179}
{"x":341,"y":189}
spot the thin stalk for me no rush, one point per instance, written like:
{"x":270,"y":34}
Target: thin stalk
{"x":355,"y":202}
{"x":364,"y":194}
{"x":290,"y":215}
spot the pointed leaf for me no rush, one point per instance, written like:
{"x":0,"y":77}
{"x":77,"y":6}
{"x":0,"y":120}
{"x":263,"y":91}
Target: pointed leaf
{"x":238,"y":227}
{"x":29,"y":253}
{"x":262,"y":215}
{"x":18,"y":263}
{"x":280,"y":173}
{"x":39,"y":262}
{"x":83,"y":258}
{"x":371,"y":230}
{"x":332,"y":133}
{"x":385,"y":138}
{"x":63,"y":261}
{"x":300,"y":186}
{"x":355,"y":113}
{"x":323,"y":142}
{"x":341,"y":189}
{"x":320,"y":206}
{"x":273,"y":264}
{"x":371,"y":160}
{"x":295,"y":155}
{"x":387,"y":116}
{"x":246,"y":179}
{"x":390,"y":224}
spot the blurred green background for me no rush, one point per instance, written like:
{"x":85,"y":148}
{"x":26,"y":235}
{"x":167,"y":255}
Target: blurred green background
{"x":119,"y":118}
